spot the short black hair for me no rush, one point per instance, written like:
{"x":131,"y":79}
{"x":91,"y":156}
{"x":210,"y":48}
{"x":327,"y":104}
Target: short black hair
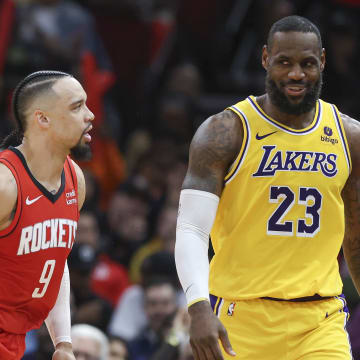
{"x":27,"y":90}
{"x":293,"y":23}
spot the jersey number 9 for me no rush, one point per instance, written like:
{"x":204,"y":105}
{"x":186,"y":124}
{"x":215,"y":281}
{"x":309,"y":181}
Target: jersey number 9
{"x":45,"y":278}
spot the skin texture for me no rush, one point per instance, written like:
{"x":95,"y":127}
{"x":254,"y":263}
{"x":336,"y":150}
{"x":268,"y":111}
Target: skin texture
{"x":295,"y":58}
{"x":55,"y":124}
{"x":63,"y":351}
{"x":351,"y":197}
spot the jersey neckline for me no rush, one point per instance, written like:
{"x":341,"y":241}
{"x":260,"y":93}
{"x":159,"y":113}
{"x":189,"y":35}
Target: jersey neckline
{"x":52,"y":197}
{"x":286,"y":128}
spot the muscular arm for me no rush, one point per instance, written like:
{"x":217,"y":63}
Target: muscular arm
{"x":81,"y":184}
{"x":214,"y":147}
{"x":8,"y":196}
{"x":351,"y":197}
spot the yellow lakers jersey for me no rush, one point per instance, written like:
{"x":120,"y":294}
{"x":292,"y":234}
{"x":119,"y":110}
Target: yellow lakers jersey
{"x":280,"y":221}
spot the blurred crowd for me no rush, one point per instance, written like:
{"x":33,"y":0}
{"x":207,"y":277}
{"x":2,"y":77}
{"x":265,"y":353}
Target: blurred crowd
{"x":153,"y":71}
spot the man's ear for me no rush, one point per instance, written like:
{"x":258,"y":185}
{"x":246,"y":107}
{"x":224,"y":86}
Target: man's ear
{"x":41,"y":119}
{"x":265,"y":57}
{"x":322,"y":60}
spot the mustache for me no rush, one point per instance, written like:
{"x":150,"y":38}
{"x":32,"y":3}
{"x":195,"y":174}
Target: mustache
{"x":86,"y":129}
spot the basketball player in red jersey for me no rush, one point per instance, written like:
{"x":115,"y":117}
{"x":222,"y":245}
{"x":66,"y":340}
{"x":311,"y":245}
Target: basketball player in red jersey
{"x":42,"y":191}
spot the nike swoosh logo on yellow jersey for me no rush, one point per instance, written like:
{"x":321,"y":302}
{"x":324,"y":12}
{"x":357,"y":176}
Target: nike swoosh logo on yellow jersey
{"x":260,"y":137}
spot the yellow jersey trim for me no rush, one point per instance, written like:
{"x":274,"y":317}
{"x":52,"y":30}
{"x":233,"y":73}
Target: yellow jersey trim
{"x":314,"y":124}
{"x":196,"y":301}
{"x":245,"y":144}
{"x":341,"y":131}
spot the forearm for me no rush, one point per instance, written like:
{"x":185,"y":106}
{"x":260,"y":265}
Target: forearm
{"x":197,"y":212}
{"x":58,"y":321}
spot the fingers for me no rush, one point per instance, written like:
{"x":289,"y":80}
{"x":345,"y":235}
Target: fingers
{"x":194,"y":351}
{"x":206,"y":351}
{"x":224,"y":338}
{"x":216,"y":351}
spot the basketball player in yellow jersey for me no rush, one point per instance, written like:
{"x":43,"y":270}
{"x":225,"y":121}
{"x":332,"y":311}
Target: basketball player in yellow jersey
{"x":270,"y":179}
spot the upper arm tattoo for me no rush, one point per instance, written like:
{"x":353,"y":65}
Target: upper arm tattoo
{"x":214,"y":147}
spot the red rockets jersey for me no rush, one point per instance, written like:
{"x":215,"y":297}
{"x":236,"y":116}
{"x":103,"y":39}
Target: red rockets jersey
{"x":34,"y":247}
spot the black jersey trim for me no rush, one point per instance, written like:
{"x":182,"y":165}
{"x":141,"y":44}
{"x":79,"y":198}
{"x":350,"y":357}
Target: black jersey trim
{"x":52,"y":197}
{"x":15,"y":222}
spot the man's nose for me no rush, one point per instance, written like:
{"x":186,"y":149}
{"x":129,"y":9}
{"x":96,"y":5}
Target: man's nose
{"x":296,"y":72}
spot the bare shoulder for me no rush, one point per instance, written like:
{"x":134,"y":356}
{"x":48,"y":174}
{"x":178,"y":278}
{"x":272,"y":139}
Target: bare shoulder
{"x":214,"y":147}
{"x":352,"y":130}
{"x":8,"y":195}
{"x":81,"y":184}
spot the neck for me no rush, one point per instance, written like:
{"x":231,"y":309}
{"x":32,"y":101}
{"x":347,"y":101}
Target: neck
{"x":44,"y":161}
{"x":294,"y":121}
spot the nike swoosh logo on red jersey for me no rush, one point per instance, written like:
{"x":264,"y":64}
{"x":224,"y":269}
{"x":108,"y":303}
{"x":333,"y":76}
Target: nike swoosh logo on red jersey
{"x":29,"y":202}
{"x":260,"y":137}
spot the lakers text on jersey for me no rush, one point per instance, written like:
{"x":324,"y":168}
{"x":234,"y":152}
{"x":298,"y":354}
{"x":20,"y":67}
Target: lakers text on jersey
{"x":280,"y":221}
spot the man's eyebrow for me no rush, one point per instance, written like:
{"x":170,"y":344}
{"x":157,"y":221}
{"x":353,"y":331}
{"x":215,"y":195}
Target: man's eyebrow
{"x":77,"y":102}
{"x":311,"y":57}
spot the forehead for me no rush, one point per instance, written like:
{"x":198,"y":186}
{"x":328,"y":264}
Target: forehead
{"x":159,"y":292}
{"x":69,"y":89}
{"x":294,"y":43}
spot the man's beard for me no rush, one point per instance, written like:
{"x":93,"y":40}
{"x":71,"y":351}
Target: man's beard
{"x":81,"y":152}
{"x":279,"y":99}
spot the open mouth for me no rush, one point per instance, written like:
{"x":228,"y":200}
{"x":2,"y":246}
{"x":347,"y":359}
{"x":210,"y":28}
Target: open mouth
{"x":293,"y":90}
{"x":87,"y":136}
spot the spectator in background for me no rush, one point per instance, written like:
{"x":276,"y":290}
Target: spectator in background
{"x":108,"y":278}
{"x":127,"y":222}
{"x":92,"y":200}
{"x":175,"y":118}
{"x":89,"y":343}
{"x":163,"y":240}
{"x":55,"y":33}
{"x":167,"y":324}
{"x":129,"y":317}
{"x":185,"y":78}
{"x":174,"y":177}
{"x":88,"y":231}
{"x":107,"y":165}
{"x":342,"y":75}
{"x":118,"y":349}
{"x":51,"y":34}
{"x":90,"y":308}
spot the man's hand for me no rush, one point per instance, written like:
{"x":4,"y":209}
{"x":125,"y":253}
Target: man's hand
{"x":63,"y":351}
{"x":205,"y":331}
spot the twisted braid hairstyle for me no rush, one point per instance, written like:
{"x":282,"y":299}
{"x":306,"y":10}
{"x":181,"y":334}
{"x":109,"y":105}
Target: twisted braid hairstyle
{"x":34,"y":85}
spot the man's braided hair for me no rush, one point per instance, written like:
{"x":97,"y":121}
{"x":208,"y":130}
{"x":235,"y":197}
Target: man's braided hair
{"x":26,"y":91}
